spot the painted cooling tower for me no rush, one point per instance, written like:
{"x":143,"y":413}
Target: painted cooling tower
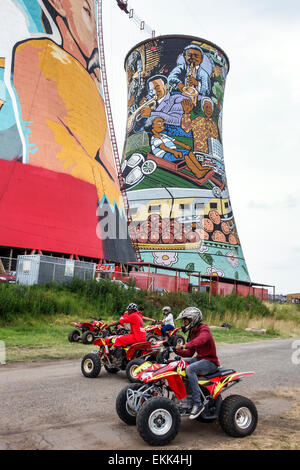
{"x":173,"y":164}
{"x":59,"y":188}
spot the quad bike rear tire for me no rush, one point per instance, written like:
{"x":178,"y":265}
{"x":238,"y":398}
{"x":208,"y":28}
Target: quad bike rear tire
{"x":91,"y":365}
{"x":158,"y":421}
{"x":87,"y":337}
{"x":127,"y":415}
{"x":238,"y":416}
{"x":177,"y":339}
{"x":152,"y":338}
{"x":74,"y":336}
{"x":130,"y":368}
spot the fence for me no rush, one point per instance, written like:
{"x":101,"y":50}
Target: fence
{"x":8,"y":265}
{"x":39,"y":269}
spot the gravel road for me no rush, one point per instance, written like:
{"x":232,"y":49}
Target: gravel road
{"x":51,"y":405}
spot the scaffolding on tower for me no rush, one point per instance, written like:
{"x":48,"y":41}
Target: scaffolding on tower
{"x":111,"y":124}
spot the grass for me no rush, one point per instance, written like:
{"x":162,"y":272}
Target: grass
{"x":35,"y":321}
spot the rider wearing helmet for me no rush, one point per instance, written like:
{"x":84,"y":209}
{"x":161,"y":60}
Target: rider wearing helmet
{"x":137,"y":334}
{"x":168,"y":321}
{"x":206,"y":362}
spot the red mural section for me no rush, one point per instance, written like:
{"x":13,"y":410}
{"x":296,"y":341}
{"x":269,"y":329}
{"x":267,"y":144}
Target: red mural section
{"x":29,"y":215}
{"x":56,"y":190}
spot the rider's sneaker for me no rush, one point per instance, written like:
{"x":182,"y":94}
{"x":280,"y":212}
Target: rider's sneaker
{"x":196,"y":411}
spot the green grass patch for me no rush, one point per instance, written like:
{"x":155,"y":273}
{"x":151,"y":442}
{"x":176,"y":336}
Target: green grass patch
{"x":35,"y":321}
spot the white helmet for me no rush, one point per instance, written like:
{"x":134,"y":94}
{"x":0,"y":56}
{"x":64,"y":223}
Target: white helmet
{"x":166,"y":310}
{"x":133,"y":307}
{"x":193,"y":314}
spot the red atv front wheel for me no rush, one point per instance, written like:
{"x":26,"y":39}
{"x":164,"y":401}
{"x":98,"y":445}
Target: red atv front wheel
{"x":87,"y":337}
{"x":158,"y":421}
{"x":91,"y":366}
{"x":130,"y":369}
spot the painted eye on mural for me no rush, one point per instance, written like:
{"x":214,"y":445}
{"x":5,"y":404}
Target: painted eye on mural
{"x":87,"y":9}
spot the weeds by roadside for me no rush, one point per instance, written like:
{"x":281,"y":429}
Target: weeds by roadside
{"x":35,"y":321}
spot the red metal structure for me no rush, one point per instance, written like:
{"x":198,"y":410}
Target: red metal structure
{"x":123,"y":6}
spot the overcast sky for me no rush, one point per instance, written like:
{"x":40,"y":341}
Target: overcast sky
{"x":261,"y":124}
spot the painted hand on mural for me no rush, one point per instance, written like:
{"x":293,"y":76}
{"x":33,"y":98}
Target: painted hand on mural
{"x":187,"y":106}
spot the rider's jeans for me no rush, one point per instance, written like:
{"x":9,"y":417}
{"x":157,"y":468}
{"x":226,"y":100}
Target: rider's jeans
{"x":166,"y":328}
{"x":194,"y":369}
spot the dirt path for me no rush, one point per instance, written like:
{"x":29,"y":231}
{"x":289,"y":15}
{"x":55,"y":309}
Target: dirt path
{"x":50,"y":405}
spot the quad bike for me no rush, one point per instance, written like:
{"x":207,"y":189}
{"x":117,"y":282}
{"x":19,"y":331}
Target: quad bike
{"x":163,"y":396}
{"x":91,"y":330}
{"x":133,"y":356}
{"x":154,"y":333}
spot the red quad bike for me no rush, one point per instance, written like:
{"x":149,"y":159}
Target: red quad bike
{"x":133,"y":356}
{"x":90,"y":331}
{"x":163,"y":396}
{"x":154,"y":333}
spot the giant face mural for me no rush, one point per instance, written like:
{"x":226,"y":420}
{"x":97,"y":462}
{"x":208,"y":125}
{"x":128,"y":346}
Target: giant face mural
{"x":173,"y":163}
{"x":58,"y":177}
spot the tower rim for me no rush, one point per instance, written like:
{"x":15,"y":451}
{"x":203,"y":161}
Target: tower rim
{"x":182,"y":36}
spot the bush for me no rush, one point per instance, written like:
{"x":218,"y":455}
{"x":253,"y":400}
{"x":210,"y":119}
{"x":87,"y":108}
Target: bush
{"x":108,"y":299}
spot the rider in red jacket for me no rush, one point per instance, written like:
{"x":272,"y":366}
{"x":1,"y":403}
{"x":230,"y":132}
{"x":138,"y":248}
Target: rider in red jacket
{"x":201,"y":342}
{"x":137,"y":334}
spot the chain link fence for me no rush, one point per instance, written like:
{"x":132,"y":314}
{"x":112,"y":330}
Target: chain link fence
{"x":39,"y":269}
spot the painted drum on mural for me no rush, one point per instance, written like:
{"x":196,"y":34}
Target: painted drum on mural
{"x":173,"y":163}
{"x":58,"y":180}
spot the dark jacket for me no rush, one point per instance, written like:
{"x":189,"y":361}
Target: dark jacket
{"x":201,"y":341}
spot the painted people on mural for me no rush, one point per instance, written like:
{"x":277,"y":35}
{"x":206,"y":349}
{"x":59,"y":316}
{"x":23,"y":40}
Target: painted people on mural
{"x":186,"y":220}
{"x":202,"y":127}
{"x":167,"y":106}
{"x":182,"y":94}
{"x":136,"y":80}
{"x":60,"y":97}
{"x":168,"y":148}
{"x":191,"y":72}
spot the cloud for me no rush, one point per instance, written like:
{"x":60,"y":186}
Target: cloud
{"x":291,"y":201}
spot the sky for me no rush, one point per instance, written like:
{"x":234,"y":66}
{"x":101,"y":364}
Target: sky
{"x":261,"y":124}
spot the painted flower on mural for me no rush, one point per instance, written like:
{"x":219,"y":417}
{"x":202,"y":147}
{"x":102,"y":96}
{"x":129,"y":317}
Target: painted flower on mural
{"x":233,"y":259}
{"x":203,"y":249}
{"x":212,"y":271}
{"x":165,"y":258}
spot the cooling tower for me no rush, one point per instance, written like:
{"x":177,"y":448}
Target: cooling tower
{"x":173,"y":164}
{"x":59,"y":189}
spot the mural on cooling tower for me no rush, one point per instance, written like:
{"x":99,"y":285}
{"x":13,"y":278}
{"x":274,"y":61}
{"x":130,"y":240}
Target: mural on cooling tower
{"x":173,"y":163}
{"x":52,"y":114}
